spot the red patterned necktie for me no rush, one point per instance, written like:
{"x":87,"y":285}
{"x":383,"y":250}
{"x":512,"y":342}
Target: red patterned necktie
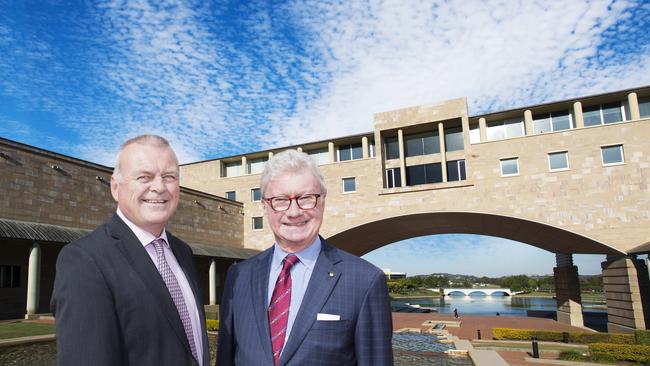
{"x":279,"y":308}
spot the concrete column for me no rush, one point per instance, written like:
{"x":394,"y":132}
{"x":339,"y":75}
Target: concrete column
{"x":633,"y":101}
{"x":577,"y":114}
{"x":270,"y":154}
{"x":220,"y":172}
{"x":465,"y":123}
{"x":528,"y":123}
{"x":567,"y":291}
{"x":244,"y":169}
{"x":330,"y":150}
{"x":212,"y":277}
{"x":299,"y":149}
{"x":402,"y":156}
{"x":33,"y":280}
{"x":482,"y":127}
{"x":364,"y":147}
{"x":443,"y":151}
{"x":625,"y":281}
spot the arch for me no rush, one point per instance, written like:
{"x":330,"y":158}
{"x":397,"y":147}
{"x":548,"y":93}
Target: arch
{"x":456,"y":293}
{"x":369,"y":236}
{"x":478,"y":292}
{"x":500,"y":292}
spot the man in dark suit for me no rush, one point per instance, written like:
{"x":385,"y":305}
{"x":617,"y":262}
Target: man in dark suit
{"x":126,"y":294}
{"x":302,"y":301}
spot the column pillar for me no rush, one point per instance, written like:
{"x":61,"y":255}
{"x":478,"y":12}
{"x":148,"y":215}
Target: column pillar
{"x":625,"y":281}
{"x":482,"y":127}
{"x":633,"y":101}
{"x":443,"y":151}
{"x":33,"y":280}
{"x":364,"y":147}
{"x":270,"y":155}
{"x":330,"y":150}
{"x":212,"y":276}
{"x":528,"y":123}
{"x":402,"y":156}
{"x":577,"y":114}
{"x":299,"y":149}
{"x":244,"y":168}
{"x":567,"y":291}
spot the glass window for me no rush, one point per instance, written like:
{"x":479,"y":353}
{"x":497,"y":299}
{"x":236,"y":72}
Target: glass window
{"x":231,"y":195}
{"x":232,"y":169}
{"x":505,"y":129}
{"x":612,"y":154}
{"x":612,"y":113}
{"x":256,"y":195}
{"x":603,"y":114}
{"x":509,"y":167}
{"x":422,"y":144}
{"x":349,"y":184}
{"x":591,"y":115}
{"x":561,"y":120}
{"x":391,"y":145}
{"x":548,"y":122}
{"x":456,"y":170}
{"x":320,"y":156}
{"x":258,"y":223}
{"x":558,"y":160}
{"x":9,"y":276}
{"x":255,"y":166}
{"x":393,"y":178}
{"x":454,"y":139}
{"x":495,"y":131}
{"x":423,"y":174}
{"x":644,"y":107}
{"x":541,"y":123}
{"x":474,"y":134}
{"x":350,"y":152}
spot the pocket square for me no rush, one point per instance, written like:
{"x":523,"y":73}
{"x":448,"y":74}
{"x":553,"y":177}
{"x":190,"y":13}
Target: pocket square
{"x":327,"y":317}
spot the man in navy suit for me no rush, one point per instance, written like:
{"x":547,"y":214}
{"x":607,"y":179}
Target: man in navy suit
{"x":126,"y":294}
{"x":302,"y":301}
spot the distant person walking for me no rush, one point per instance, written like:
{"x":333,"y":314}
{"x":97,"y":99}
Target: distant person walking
{"x":455,"y":313}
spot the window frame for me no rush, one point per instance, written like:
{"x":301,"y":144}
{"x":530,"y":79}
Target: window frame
{"x":621,"y":150}
{"x":421,"y":136}
{"x":238,"y":172}
{"x":351,"y":147}
{"x":502,"y":160}
{"x":13,"y":270}
{"x":344,"y":179}
{"x":549,"y":117}
{"x":566,"y":157}
{"x":253,"y":190}
{"x":462,"y":173}
{"x":316,"y":154}
{"x":396,"y":174}
{"x":259,"y":219}
{"x":234,"y":193}
{"x":602,"y":122}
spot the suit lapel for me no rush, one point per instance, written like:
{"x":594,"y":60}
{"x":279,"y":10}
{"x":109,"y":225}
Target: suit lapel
{"x":259,"y":289}
{"x":321,"y":284}
{"x":141,"y":264}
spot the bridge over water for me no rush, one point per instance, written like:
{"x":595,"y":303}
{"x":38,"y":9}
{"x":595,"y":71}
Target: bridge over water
{"x":469,"y":291}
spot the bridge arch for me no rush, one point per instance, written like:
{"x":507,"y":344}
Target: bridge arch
{"x":368,"y":236}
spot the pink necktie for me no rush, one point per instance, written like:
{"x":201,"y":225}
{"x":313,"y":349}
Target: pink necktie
{"x":279,"y":308}
{"x":176,"y":292}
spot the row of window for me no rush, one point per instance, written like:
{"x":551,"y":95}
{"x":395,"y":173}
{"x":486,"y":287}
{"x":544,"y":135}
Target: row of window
{"x":425,"y":143}
{"x":426,"y":174}
{"x":557,"y":161}
{"x":349,"y":185}
{"x":9,"y":276}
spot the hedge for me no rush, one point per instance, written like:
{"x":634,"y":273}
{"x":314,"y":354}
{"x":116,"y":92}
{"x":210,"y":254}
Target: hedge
{"x":212,"y":325}
{"x":642,"y":336}
{"x":557,"y":336}
{"x":621,"y":352}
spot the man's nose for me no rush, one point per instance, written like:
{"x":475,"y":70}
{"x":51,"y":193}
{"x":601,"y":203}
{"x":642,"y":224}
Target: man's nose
{"x":294,"y":209}
{"x":157,"y":184}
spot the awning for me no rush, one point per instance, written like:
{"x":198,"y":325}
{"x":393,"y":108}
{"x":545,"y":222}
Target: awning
{"x":25,"y":230}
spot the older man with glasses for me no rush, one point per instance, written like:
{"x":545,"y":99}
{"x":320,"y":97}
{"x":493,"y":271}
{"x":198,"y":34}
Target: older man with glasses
{"x":302,"y":301}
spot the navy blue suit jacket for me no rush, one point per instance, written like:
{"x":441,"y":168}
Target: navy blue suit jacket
{"x":340,"y":284}
{"x":112,"y":306}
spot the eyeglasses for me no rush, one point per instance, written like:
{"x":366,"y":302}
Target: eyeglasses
{"x":304,"y":202}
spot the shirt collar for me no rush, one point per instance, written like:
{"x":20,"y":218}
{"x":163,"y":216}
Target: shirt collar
{"x":307,"y":256}
{"x":143,"y":236}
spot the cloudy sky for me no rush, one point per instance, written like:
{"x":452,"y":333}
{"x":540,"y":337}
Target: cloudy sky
{"x":79,"y":77}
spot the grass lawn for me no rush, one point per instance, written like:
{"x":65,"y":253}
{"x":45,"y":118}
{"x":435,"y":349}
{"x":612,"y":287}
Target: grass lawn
{"x":24,"y":329}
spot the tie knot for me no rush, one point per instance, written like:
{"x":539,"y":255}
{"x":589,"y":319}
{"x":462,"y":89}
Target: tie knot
{"x":289,"y":261}
{"x":158,"y":243}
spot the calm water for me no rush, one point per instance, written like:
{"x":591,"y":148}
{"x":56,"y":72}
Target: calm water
{"x":490,"y":305}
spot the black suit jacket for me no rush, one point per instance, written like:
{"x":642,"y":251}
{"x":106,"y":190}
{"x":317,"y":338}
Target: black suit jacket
{"x":112,"y":306}
{"x":341,"y":284}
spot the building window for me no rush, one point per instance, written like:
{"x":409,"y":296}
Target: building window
{"x":320,"y":156}
{"x":423,"y":174}
{"x":350,"y":152}
{"x":9,"y":276}
{"x":349,"y":184}
{"x":231,"y":195}
{"x":644,"y":107}
{"x":393,"y":178}
{"x":509,"y":167}
{"x":232,"y":169}
{"x":558,"y":161}
{"x":554,"y":121}
{"x":603,"y":114}
{"x":258,"y":223}
{"x":391,"y":148}
{"x":474,"y":134}
{"x":256,"y":195}
{"x":612,"y":154}
{"x":422,"y":144}
{"x":454,"y":139}
{"x":456,"y":170}
{"x":255,"y":166}
{"x":505,"y":129}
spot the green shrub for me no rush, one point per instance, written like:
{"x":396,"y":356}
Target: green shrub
{"x":621,"y":352}
{"x":557,"y":336}
{"x":212,"y":325}
{"x":642,"y":336}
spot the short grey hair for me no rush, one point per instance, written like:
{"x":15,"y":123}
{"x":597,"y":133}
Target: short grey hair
{"x":290,"y":161}
{"x":150,"y":140}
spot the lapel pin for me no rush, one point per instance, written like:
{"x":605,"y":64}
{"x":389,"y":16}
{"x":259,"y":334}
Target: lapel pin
{"x":330,"y":274}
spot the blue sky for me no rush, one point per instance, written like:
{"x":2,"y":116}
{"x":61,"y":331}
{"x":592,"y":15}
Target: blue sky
{"x":80,"y":77}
